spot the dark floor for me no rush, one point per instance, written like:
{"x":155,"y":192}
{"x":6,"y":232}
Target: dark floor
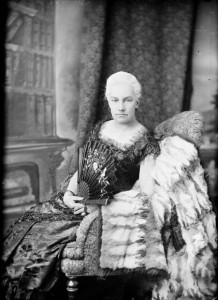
{"x":102,"y":289}
{"x":113,"y":288}
{"x":91,"y":288}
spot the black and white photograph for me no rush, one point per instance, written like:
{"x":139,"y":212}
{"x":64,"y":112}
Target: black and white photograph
{"x":110,"y":150}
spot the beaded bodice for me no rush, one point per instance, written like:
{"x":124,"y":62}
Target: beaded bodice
{"x":127,"y":161}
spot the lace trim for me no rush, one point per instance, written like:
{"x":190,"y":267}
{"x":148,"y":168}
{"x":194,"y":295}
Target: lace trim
{"x":121,"y":146}
{"x":144,"y":140}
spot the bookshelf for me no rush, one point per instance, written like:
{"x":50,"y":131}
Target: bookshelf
{"x":29,"y":84}
{"x":33,"y":151}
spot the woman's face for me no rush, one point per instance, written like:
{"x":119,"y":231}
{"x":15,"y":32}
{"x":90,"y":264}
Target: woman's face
{"x":122,"y":102}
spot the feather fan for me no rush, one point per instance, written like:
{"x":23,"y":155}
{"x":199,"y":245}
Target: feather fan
{"x":96,"y":176}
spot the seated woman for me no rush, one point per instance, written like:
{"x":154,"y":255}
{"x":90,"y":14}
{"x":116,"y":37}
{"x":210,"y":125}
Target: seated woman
{"x":159,"y":222}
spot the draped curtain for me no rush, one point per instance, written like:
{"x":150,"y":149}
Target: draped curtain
{"x":148,"y":38}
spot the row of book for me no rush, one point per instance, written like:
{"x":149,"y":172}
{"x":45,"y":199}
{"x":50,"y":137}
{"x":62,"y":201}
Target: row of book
{"x":30,"y":32}
{"x":29,"y":115}
{"x":41,"y":6}
{"x":27,"y":69}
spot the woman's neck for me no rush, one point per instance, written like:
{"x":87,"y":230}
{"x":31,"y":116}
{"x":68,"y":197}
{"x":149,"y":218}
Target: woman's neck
{"x":121,"y":133}
{"x":123,"y":126}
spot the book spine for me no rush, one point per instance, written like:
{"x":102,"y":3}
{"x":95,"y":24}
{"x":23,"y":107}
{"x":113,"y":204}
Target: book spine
{"x":22,"y":69}
{"x":30,"y":69}
{"x":27,"y":37}
{"x":31,"y":115}
{"x":49,"y":38}
{"x":40,"y":115}
{"x":48,"y":116}
{"x":12,"y":17}
{"x":36,"y":34}
{"x":20,"y":114}
{"x":13,"y":29}
{"x":44,"y":82}
{"x":38,"y":71}
{"x":20,"y":79}
{"x":43,"y":37}
{"x":40,"y":5}
{"x":15,"y":67}
{"x":50,"y":73}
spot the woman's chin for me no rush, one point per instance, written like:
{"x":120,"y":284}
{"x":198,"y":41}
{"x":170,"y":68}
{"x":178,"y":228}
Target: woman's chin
{"x":122,"y":120}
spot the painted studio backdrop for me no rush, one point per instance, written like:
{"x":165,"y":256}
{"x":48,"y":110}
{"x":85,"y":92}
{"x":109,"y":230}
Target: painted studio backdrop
{"x":58,"y":56}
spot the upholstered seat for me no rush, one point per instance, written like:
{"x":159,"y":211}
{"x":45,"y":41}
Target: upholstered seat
{"x":81,"y":257}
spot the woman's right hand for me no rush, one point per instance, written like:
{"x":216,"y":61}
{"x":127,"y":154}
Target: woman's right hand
{"x":70,"y":200}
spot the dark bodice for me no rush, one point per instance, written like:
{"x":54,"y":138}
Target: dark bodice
{"x":127,"y":161}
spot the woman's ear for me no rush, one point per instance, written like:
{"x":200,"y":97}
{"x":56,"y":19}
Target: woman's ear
{"x":137,"y":104}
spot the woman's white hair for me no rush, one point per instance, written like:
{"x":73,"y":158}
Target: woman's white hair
{"x":123,"y":78}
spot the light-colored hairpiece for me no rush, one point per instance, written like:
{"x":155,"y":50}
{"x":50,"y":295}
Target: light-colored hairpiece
{"x":125,"y":78}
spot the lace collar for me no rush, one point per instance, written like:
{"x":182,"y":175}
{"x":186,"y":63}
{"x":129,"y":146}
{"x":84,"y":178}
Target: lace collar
{"x":138,"y":139}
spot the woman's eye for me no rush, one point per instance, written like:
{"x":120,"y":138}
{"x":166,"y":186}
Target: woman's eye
{"x":129,"y":100}
{"x":114,"y":100}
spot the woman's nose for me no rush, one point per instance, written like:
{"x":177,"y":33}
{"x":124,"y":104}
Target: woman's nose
{"x":121,"y":105}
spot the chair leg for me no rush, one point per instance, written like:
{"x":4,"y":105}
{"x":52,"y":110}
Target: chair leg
{"x":72,"y":288}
